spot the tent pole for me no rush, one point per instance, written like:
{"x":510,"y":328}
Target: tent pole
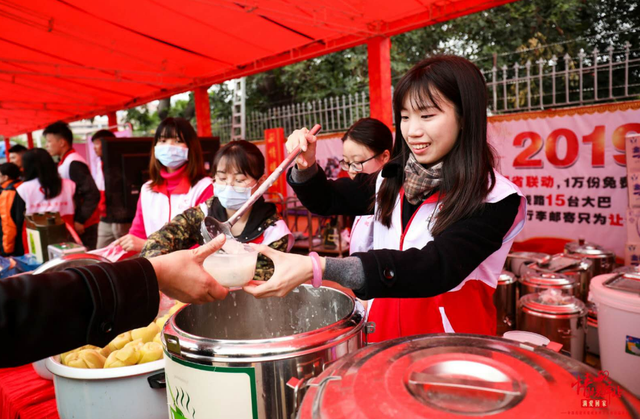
{"x":113,"y":121}
{"x":379,"y":49}
{"x":203,"y":111}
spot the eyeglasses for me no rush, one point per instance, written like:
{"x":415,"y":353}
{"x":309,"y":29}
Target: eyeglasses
{"x":238,"y":186}
{"x":355,"y":166}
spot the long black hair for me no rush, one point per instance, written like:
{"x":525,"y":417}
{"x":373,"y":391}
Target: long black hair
{"x":38,"y":164}
{"x":467,"y":171}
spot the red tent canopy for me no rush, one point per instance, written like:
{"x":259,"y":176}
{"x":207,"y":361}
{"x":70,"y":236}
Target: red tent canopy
{"x":74,"y":59}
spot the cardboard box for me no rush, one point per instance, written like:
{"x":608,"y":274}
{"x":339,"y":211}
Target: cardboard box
{"x":632,"y":254}
{"x":632,"y":148}
{"x":633,"y":225}
{"x":633,"y":186}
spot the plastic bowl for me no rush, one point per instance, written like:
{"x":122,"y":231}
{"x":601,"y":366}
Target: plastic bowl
{"x":232,"y":269}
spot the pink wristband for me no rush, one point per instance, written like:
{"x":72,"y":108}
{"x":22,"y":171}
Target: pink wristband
{"x":317,"y":270}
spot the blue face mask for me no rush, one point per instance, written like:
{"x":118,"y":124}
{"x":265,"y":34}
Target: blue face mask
{"x":171,"y":156}
{"x":229,"y":197}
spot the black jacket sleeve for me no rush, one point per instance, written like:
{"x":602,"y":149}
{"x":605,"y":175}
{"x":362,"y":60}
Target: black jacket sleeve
{"x":87,"y":196}
{"x":336,"y":197}
{"x":444,"y":262}
{"x":50,"y":313}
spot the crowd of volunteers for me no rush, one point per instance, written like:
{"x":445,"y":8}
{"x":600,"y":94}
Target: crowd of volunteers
{"x":433,"y":222}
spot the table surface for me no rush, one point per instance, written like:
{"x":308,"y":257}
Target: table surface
{"x":25,"y":395}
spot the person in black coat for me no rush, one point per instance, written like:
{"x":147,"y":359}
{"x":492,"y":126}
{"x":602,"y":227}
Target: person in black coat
{"x":50,"y":313}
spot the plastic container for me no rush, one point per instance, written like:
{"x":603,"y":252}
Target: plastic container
{"x":232,"y":269}
{"x":137,"y":391}
{"x":619,"y":327}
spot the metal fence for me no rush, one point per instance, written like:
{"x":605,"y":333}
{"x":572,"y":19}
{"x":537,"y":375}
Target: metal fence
{"x":596,"y":77}
{"x":334,"y":114}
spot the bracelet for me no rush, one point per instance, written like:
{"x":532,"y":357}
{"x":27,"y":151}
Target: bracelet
{"x":317,"y":270}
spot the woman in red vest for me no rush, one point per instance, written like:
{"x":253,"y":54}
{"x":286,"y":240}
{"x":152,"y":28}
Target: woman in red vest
{"x":445,"y":219}
{"x":43,"y":190}
{"x":178,"y":181}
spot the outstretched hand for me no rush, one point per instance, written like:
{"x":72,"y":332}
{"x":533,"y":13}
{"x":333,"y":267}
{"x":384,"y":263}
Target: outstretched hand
{"x":290,"y":271}
{"x":181,"y":275}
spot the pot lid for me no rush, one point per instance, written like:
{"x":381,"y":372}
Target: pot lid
{"x":547,"y":279}
{"x":553,"y":301}
{"x":73,"y":260}
{"x":590,"y":250}
{"x":450,"y":375}
{"x":627,"y":270}
{"x":562,"y":263}
{"x":527,"y":256}
{"x":506,"y":278}
{"x":621,"y":291}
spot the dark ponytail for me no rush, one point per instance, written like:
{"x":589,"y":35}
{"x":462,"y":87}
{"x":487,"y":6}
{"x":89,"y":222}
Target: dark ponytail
{"x":467,"y":172}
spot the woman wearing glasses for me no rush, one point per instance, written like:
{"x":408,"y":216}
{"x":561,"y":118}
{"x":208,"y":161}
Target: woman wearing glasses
{"x":239,"y":169}
{"x":366,"y":147}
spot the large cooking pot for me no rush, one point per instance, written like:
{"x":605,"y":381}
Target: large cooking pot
{"x":533,"y":282}
{"x":453,"y":376}
{"x":560,"y":317}
{"x":603,"y":259}
{"x":569,"y":265}
{"x":505,"y":301}
{"x":250,"y":358}
{"x":516,"y":261}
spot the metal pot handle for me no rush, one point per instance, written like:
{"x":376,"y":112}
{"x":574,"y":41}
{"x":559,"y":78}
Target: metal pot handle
{"x":315,"y":408}
{"x":297,"y":384}
{"x":421,"y":379}
{"x":157,"y":380}
{"x":369,"y":328}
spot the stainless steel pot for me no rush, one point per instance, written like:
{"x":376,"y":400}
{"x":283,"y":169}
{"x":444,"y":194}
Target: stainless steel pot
{"x":603,"y":260}
{"x":449,"y":376}
{"x":516,"y":261}
{"x":581,"y":269}
{"x":505,"y":301}
{"x":559,"y":317}
{"x":533,"y":282}
{"x":250,"y":358}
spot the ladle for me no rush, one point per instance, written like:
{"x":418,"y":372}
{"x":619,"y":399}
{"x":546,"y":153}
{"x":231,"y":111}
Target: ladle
{"x":211,"y":227}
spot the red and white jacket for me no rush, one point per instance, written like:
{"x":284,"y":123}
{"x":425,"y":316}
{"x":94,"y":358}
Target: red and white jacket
{"x":469,"y":307}
{"x":63,"y":169}
{"x":159,"y":208}
{"x":33,"y":196}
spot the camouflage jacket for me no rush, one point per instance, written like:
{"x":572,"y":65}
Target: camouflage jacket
{"x":183,"y":232}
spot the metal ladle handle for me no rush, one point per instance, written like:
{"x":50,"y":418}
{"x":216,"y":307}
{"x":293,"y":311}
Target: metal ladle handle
{"x":270,"y":180}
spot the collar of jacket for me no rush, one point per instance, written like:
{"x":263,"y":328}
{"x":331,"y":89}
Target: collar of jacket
{"x":262,"y":213}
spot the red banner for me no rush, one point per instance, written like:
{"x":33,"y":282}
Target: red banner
{"x":274,"y":154}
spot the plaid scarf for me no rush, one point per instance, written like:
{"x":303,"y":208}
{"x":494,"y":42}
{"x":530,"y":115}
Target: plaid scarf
{"x":418,"y":181}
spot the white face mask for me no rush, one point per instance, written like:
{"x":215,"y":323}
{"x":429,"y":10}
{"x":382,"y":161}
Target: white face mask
{"x":171,"y":156}
{"x":231,"y":198}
